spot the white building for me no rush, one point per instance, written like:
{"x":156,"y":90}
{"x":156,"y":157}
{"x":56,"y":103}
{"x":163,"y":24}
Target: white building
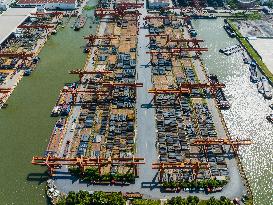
{"x":50,"y":4}
{"x":157,"y":4}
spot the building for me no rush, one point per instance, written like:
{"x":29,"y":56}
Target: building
{"x":157,"y":4}
{"x":246,"y":4}
{"x":11,"y":19}
{"x":49,"y":4}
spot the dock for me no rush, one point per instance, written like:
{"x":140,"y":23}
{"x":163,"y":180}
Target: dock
{"x":144,"y":113}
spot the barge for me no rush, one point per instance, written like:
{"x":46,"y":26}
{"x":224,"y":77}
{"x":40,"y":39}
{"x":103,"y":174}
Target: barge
{"x":80,"y":22}
{"x":264,"y":88}
{"x":230,"y":50}
{"x":253,"y":72}
{"x":229,"y":31}
{"x":221,"y":99}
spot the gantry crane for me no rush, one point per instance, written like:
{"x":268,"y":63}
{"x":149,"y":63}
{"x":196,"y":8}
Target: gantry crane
{"x":24,"y":26}
{"x":194,"y":166}
{"x":115,"y":13}
{"x":128,"y":5}
{"x":195,"y":42}
{"x":112,"y":84}
{"x":83,"y":162}
{"x":41,"y":14}
{"x":177,"y":92}
{"x":184,"y":89}
{"x":170,"y":17}
{"x":75,"y":92}
{"x":5,"y":90}
{"x":22,"y":55}
{"x":92,"y":38}
{"x":212,"y":86}
{"x":178,"y":51}
{"x":81,"y":73}
{"x":221,"y":141}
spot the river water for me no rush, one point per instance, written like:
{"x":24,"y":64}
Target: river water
{"x":246,"y":118}
{"x":25,"y":126}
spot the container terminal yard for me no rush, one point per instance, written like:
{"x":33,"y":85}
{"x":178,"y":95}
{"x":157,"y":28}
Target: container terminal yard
{"x":145,"y":116}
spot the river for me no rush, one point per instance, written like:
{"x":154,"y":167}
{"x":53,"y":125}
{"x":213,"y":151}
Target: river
{"x":246,"y":118}
{"x":26,"y":124}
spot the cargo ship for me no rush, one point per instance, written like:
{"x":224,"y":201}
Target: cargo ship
{"x":80,"y":22}
{"x":221,"y":99}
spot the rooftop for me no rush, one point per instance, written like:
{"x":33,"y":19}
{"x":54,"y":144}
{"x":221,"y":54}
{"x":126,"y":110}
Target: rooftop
{"x":11,"y":19}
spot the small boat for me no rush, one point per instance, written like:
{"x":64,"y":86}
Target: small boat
{"x":230,"y":50}
{"x":56,"y":111}
{"x":267,"y":90}
{"x":27,"y":72}
{"x":229,"y":31}
{"x":271,"y":106}
{"x":54,"y":32}
{"x":270,"y":118}
{"x":65,"y":110}
{"x":253,"y":72}
{"x":36,"y":59}
{"x":221,"y":99}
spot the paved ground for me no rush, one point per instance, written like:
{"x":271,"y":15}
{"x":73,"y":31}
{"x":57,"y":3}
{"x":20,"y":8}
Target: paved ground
{"x":146,"y":138}
{"x":264,"y":48}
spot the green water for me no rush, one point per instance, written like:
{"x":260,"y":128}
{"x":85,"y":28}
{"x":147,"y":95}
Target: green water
{"x":25,"y":126}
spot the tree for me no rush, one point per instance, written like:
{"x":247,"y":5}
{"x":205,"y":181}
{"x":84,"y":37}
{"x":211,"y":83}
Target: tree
{"x":145,"y":202}
{"x":116,"y":198}
{"x":71,"y":198}
{"x":192,"y":200}
{"x":83,"y":198}
{"x":177,"y":201}
{"x":99,"y":198}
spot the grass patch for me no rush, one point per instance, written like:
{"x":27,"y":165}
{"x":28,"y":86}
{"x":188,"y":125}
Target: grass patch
{"x":88,"y":8}
{"x":252,"y":52}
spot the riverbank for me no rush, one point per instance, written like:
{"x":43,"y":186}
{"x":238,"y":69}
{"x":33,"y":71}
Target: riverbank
{"x":252,"y":52}
{"x":26,"y":124}
{"x":246,"y":117}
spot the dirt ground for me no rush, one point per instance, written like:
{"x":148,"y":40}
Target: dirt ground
{"x":257,"y":28}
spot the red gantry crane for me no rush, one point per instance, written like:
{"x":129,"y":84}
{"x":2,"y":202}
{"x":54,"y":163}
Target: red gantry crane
{"x":221,"y":141}
{"x":75,"y":92}
{"x":115,"y":13}
{"x":195,"y":42}
{"x":92,"y":38}
{"x":194,"y":166}
{"x":24,"y":26}
{"x":184,"y":89}
{"x":81,"y":73}
{"x":53,"y":163}
{"x":177,"y":92}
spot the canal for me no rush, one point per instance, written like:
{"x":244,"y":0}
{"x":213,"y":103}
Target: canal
{"x":246,"y":118}
{"x":26,"y":124}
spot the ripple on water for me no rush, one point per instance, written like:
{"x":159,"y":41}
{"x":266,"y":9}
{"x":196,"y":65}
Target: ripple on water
{"x":247,"y":115}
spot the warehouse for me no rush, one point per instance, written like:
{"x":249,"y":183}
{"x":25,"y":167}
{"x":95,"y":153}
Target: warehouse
{"x":50,"y":4}
{"x":11,"y":19}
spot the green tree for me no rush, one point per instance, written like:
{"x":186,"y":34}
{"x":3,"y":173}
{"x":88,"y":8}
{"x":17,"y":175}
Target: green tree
{"x":192,"y":200}
{"x":145,"y":202}
{"x":177,"y":201}
{"x":116,"y":198}
{"x":99,"y":198}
